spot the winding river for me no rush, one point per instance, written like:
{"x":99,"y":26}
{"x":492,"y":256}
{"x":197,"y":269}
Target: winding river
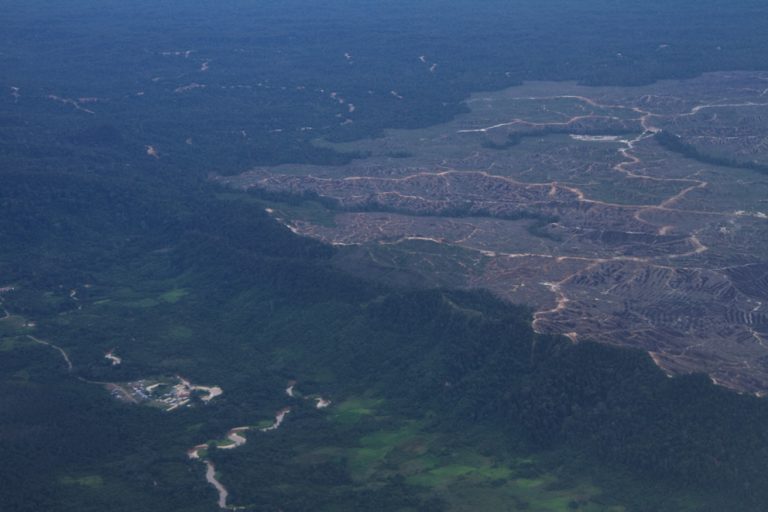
{"x":237,"y":439}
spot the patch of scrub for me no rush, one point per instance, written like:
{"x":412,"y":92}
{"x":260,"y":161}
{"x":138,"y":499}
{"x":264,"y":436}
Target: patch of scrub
{"x":174,"y":295}
{"x":145,"y":299}
{"x":441,"y":476}
{"x":92,"y":481}
{"x":444,"y":469}
{"x":464,"y":479}
{"x":11,"y":324}
{"x":8,"y":344}
{"x":261,"y":425}
{"x":375,"y":448}
{"x":351,"y":411}
{"x":362,"y":461}
{"x":391,"y":438}
{"x":494,"y":489}
{"x":21,"y":376}
{"x":180,"y":331}
{"x":530,"y":483}
{"x":141,"y":303}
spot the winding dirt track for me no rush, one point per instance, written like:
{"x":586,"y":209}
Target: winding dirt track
{"x":57,"y":348}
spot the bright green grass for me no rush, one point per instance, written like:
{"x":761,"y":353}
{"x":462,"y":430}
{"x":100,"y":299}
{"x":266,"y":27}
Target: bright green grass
{"x":464,"y":479}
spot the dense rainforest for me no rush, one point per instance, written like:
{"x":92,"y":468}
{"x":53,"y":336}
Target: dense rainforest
{"x":275,"y":71}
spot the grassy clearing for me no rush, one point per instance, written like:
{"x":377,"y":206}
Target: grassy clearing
{"x":12,"y":324}
{"x":321,"y":455}
{"x":142,"y":303}
{"x":265,"y":423}
{"x":445,"y":469}
{"x":350,"y":411}
{"x":143,"y":299}
{"x":463,"y":478}
{"x":390,"y":439}
{"x":8,"y":344}
{"x":363,"y":461}
{"x":179,"y":332}
{"x":468,"y":488}
{"x":174,"y":296}
{"x":21,"y":376}
{"x":377,"y":448}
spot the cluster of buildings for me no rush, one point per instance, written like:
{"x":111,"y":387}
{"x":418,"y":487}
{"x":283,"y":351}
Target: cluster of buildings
{"x":167,"y":395}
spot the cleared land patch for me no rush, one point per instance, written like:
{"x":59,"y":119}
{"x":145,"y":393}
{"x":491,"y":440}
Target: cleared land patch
{"x":626,"y":216}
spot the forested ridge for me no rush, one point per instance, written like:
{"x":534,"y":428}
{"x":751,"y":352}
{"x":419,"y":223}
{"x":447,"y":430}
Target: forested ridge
{"x":676,"y":143}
